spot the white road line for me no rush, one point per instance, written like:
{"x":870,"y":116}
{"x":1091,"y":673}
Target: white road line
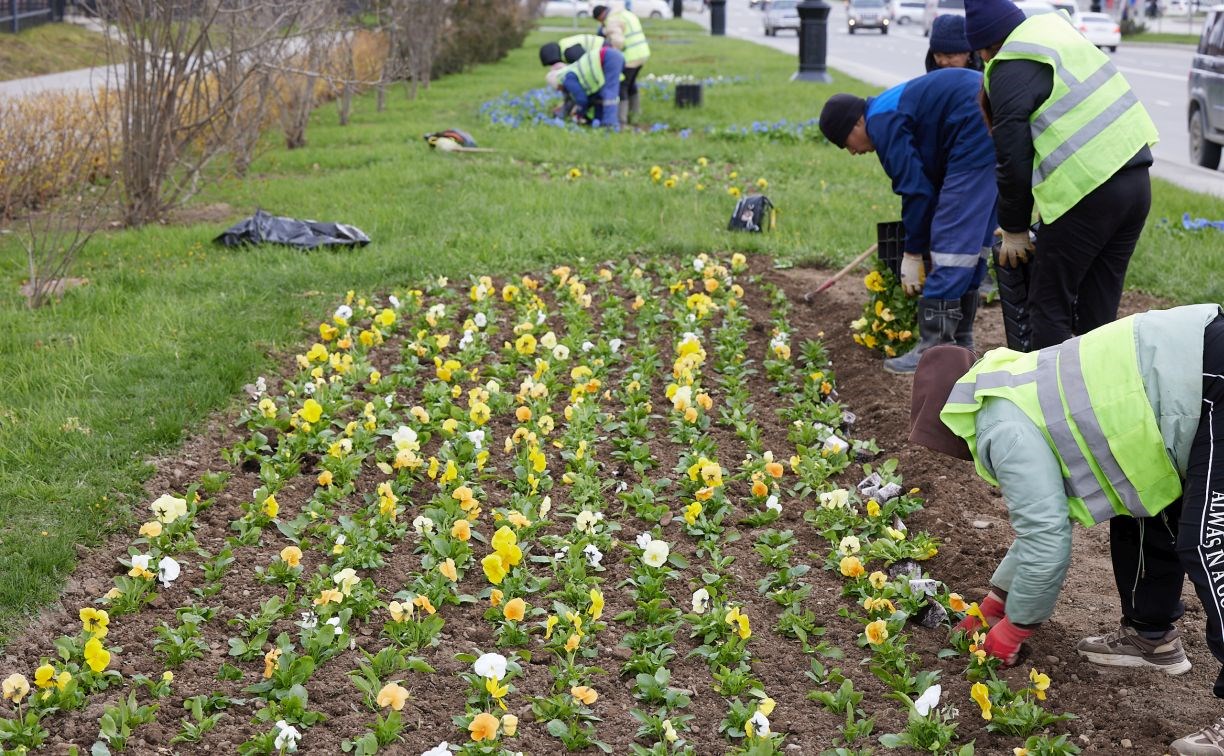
{"x":1163,"y":103}
{"x":1154,"y":74}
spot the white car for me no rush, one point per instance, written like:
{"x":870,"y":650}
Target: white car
{"x":1100,"y":29}
{"x":568,"y":8}
{"x":908,"y":11}
{"x":1035,"y":7}
{"x":650,"y":8}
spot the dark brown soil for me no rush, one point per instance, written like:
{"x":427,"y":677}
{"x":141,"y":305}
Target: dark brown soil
{"x":1115,"y":709}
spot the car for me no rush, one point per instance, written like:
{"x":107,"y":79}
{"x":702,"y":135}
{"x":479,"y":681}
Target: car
{"x":908,"y":11}
{"x":781,"y":14}
{"x":568,"y":8}
{"x":1206,"y":106}
{"x":1035,"y":7}
{"x":935,"y":8}
{"x":1100,"y":29}
{"x":868,"y":14}
{"x":651,"y":8}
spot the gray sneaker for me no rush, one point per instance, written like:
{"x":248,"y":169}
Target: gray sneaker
{"x":1208,"y":741}
{"x":1125,"y":647}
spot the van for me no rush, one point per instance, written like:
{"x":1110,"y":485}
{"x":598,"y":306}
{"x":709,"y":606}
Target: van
{"x":940,"y":8}
{"x":1206,"y":107}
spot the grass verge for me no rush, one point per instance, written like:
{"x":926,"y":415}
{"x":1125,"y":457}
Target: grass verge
{"x":50,"y":48}
{"x":172,"y":326}
{"x":1164,"y":38}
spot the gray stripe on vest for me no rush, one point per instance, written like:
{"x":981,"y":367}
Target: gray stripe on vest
{"x":1080,"y":406}
{"x":1083,"y":484}
{"x":963,"y":393}
{"x":954,"y":260}
{"x":1079,"y":92}
{"x":1035,"y":49}
{"x":1086,"y":134}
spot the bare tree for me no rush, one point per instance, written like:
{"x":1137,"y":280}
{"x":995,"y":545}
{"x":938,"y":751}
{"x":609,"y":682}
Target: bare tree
{"x":299,"y":78}
{"x":247,"y":56}
{"x":415,"y":30}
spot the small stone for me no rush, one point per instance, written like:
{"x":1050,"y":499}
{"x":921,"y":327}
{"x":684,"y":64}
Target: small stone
{"x":1083,"y":738}
{"x":1121,"y":691}
{"x":981,"y":524}
{"x":1074,"y":677}
{"x":1126,"y":743}
{"x":620,"y":652}
{"x":1051,"y":659}
{"x":794,"y":747}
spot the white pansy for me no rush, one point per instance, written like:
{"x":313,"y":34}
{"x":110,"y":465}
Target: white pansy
{"x":335,"y":622}
{"x":477,"y":438}
{"x":545,"y":506}
{"x":849,"y":545}
{"x":587,"y":346}
{"x":548,"y":340}
{"x":541,"y":317}
{"x":587,"y":520}
{"x":760,"y":725}
{"x":423,"y":525}
{"x":168,"y":571}
{"x":310,"y":620}
{"x":261,"y":386}
{"x":772,"y":503}
{"x":437,"y":312}
{"x":481,"y":320}
{"x":466,"y":341}
{"x":388,"y":400}
{"x":593,"y":554}
{"x":441,"y":749}
{"x":405,"y":438}
{"x":493,"y":387}
{"x":656,"y":553}
{"x":561,"y":353}
{"x":343,"y":312}
{"x":834,"y":499}
{"x":141,"y":561}
{"x":643,"y":540}
{"x":701,"y":601}
{"x":928,"y":700}
{"x":490,"y":666}
{"x":308,"y":389}
{"x":169,"y":508}
{"x":699,"y":264}
{"x":615,"y":345}
{"x":287,"y":737}
{"x":394,"y":300}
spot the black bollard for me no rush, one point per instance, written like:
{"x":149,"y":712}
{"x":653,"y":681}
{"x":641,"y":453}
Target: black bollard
{"x":813,"y":41}
{"x":678,"y":8}
{"x":718,"y":17}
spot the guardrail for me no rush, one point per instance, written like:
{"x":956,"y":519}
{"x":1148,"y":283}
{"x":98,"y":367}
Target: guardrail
{"x":16,"y":15}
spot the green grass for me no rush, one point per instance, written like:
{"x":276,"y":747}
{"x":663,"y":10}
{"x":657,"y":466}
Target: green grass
{"x":1164,"y":37}
{"x":49,"y":48}
{"x":172,"y":326}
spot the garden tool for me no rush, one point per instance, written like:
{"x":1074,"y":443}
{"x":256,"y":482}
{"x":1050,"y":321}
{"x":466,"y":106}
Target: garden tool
{"x":453,"y":140}
{"x":807,"y":298}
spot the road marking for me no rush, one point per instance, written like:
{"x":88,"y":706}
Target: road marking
{"x":1163,"y":103}
{"x":1155,"y":74}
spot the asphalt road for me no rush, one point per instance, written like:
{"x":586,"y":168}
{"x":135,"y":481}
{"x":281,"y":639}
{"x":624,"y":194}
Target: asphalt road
{"x":1158,"y":74}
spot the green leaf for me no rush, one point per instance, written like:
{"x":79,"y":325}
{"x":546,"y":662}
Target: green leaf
{"x":557,"y":728}
{"x":893,"y":740}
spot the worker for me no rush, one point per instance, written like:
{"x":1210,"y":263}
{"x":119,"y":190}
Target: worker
{"x":1072,"y":138}
{"x":591,"y":81}
{"x":623,"y":30}
{"x":569,"y":49}
{"x":1118,"y":424}
{"x":949,"y":48}
{"x":933,"y":144}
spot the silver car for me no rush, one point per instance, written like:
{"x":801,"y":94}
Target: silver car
{"x":781,"y":14}
{"x":1206,"y":107}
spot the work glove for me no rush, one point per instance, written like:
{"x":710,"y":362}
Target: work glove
{"x":913,"y":273}
{"x":1004,"y":641}
{"x":991,"y":608}
{"x":1015,"y":248}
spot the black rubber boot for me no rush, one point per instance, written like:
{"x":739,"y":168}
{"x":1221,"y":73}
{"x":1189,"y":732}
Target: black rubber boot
{"x":964,"y":329}
{"x":938,"y":320}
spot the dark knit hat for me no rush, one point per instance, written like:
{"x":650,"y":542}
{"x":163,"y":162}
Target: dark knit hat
{"x":948,"y":35}
{"x":990,"y":21}
{"x":550,"y":53}
{"x":598,"y":12}
{"x":574,"y":53}
{"x":938,"y":371}
{"x":838,"y":116}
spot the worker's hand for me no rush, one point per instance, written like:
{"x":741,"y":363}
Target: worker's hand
{"x":1004,"y":641}
{"x":1015,"y":248}
{"x":990,"y":607}
{"x":913,"y":274}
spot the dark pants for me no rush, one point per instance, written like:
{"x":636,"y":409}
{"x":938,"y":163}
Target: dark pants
{"x":1081,"y":258}
{"x":1152,"y":555}
{"x":628,"y":85}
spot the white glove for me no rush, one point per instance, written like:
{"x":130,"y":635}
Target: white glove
{"x":913,"y":274}
{"x":1015,"y":248}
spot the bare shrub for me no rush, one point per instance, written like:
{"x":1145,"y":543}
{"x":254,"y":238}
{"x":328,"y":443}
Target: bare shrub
{"x":482,"y":31}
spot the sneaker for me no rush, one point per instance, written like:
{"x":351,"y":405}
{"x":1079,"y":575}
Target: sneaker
{"x":1125,"y":647}
{"x":1208,"y":741}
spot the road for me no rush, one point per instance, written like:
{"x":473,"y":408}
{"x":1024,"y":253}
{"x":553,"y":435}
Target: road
{"x":1158,"y":74}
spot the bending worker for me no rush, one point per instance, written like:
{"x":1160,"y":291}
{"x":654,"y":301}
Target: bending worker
{"x":1073,"y":139}
{"x":593,"y":80}
{"x":930,"y":138}
{"x":623,"y":30}
{"x":1118,"y":424}
{"x":569,"y":49}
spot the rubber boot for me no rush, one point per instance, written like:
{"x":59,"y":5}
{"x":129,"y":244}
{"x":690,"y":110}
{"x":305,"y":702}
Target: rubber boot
{"x":964,"y":329}
{"x":635,"y":106}
{"x":938,"y":320}
{"x":622,"y":112}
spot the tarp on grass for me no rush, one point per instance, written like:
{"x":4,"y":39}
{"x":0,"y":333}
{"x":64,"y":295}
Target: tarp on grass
{"x":265,"y":228}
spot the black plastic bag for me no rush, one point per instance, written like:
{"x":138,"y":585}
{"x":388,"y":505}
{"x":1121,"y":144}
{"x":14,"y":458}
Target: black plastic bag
{"x":264,"y":228}
{"x":753,"y":213}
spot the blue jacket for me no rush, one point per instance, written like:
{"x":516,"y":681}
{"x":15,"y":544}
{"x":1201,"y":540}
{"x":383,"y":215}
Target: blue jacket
{"x":924,"y":130}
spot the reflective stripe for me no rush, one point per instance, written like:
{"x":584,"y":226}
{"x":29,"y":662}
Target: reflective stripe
{"x":1083,"y":483}
{"x":954,"y":260}
{"x":1079,"y":404}
{"x":1085,"y":134}
{"x":1032,"y":48}
{"x":589,"y":70}
{"x":963,"y":393}
{"x":1079,"y":91}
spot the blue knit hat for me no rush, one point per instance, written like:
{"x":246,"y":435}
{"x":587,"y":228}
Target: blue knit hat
{"x":990,"y":21}
{"x":948,"y":35}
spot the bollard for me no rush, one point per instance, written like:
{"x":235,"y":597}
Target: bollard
{"x":677,"y":8}
{"x":718,"y":17}
{"x":813,"y":41}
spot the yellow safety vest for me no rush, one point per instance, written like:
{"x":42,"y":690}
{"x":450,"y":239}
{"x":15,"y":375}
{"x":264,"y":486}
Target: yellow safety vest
{"x":636,"y":49}
{"x":588,"y":42}
{"x":1092,"y":123}
{"x":1086,"y":396}
{"x":589,"y":70}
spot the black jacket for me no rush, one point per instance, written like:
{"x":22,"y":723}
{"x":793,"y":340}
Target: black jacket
{"x":1018,"y":88}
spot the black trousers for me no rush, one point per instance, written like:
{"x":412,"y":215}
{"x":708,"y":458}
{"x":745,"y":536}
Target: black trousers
{"x":1081,"y":258}
{"x":628,"y":84}
{"x":1152,"y":555}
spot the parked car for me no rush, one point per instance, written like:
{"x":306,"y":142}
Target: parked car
{"x":781,"y":14}
{"x":934,"y":8}
{"x":1100,"y":29}
{"x":908,"y":11}
{"x":1035,"y":7}
{"x":1206,"y":109}
{"x":868,"y":14}
{"x":651,"y":8}
{"x":568,"y":8}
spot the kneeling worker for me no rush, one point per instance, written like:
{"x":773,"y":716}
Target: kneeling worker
{"x":1118,"y":424}
{"x":593,"y":80}
{"x":932,"y":142}
{"x":569,"y":49}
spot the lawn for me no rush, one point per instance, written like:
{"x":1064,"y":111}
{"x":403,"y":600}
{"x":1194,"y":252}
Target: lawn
{"x":1164,"y":38}
{"x":50,"y":48}
{"x":172,"y":326}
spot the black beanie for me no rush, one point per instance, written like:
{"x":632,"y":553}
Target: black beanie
{"x":573,"y":53}
{"x":598,"y":12}
{"x":839,"y":115}
{"x":550,"y":53}
{"x":988,"y":22}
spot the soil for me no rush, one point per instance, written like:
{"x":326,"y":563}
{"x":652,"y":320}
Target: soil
{"x":1116,"y":709}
